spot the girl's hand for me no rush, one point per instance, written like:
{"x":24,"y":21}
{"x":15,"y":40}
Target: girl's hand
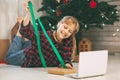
{"x":27,"y":17}
{"x":68,"y":66}
{"x":26,"y":7}
{"x":19,"y":19}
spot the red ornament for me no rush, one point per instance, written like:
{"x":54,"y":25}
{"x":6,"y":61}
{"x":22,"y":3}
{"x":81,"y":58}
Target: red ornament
{"x":58,"y":12}
{"x":93,"y":4}
{"x":65,"y":1}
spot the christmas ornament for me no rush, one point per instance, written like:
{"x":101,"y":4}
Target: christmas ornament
{"x":92,"y":4}
{"x":65,"y":1}
{"x":58,"y":12}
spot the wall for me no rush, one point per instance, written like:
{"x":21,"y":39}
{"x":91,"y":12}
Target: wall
{"x":9,"y":11}
{"x":108,"y":37}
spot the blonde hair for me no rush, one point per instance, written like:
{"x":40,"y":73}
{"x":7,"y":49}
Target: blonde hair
{"x":69,"y":20}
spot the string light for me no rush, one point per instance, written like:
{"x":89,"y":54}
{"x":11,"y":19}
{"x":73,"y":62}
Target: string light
{"x":112,"y":12}
{"x":117,"y":12}
{"x":103,"y":24}
{"x":49,"y":24}
{"x":53,"y":27}
{"x":85,"y":26}
{"x":117,"y":30}
{"x":53,"y":10}
{"x":114,"y":34}
{"x":102,"y":16}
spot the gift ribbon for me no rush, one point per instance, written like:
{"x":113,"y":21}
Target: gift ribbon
{"x":31,"y":7}
{"x":36,"y":34}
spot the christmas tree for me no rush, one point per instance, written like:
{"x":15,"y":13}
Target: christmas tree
{"x":90,"y":13}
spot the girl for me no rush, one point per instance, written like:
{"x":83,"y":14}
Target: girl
{"x":62,"y":39}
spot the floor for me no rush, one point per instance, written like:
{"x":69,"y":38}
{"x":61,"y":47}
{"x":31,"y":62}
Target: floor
{"x":9,"y":72}
{"x":113,"y":72}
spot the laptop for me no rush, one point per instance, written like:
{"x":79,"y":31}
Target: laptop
{"x":92,"y":64}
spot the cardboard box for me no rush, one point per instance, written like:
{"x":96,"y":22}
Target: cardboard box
{"x":4,"y":45}
{"x":61,"y":71}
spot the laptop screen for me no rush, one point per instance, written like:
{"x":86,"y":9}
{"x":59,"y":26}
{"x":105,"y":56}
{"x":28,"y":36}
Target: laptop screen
{"x":92,"y":63}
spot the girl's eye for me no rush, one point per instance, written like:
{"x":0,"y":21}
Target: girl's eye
{"x":70,"y":31}
{"x":65,"y":27}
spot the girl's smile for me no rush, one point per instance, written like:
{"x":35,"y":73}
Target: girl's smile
{"x":64,"y":31}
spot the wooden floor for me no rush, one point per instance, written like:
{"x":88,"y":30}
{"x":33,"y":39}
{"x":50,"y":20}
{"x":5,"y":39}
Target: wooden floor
{"x":9,"y":72}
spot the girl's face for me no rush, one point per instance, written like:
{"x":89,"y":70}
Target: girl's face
{"x":65,"y":30}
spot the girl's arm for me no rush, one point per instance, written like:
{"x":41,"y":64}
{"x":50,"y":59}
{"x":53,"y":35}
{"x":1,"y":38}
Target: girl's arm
{"x":66,"y":51}
{"x":26,"y":30}
{"x":27,"y":17}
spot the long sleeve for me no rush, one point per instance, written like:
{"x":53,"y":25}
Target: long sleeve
{"x":27,"y":31}
{"x":66,"y":51}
